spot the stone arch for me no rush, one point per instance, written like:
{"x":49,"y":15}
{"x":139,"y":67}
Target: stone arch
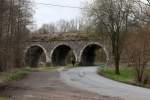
{"x":36,"y":50}
{"x":63,"y":49}
{"x":89,"y":58}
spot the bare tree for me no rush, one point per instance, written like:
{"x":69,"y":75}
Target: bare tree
{"x":112,"y":16}
{"x":61,"y":26}
{"x":68,"y":26}
{"x":16,"y":15}
{"x":138,"y":49}
{"x":2,"y":11}
{"x":47,"y":28}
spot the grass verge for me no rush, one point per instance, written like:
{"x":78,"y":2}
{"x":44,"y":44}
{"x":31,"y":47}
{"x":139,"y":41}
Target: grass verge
{"x":21,"y":73}
{"x":50,"y":69}
{"x":8,"y":77}
{"x":127,"y":75}
{"x":3,"y":98}
{"x":18,"y":74}
{"x":44,"y":69}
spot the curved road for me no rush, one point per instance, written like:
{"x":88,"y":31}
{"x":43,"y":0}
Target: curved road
{"x":88,"y":79}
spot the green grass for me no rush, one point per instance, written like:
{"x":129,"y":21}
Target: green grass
{"x":18,"y":74}
{"x":3,"y":98}
{"x":45,"y":69}
{"x":21,"y":73}
{"x":127,"y":74}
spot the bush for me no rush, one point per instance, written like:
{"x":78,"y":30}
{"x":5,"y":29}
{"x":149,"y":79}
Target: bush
{"x":19,"y":74}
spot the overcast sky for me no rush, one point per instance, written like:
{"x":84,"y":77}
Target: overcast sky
{"x":50,"y":14}
{"x":47,"y":14}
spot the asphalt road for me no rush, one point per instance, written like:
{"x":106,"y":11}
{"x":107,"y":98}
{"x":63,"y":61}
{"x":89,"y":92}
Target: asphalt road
{"x":86,"y":78}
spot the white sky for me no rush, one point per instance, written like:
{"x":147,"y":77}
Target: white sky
{"x":47,"y":14}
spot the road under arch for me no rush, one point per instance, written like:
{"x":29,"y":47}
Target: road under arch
{"x":35,"y":57}
{"x":62,"y":55}
{"x":93,"y":54}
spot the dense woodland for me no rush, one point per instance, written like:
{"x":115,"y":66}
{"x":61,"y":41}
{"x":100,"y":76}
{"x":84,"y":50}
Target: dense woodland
{"x":15,"y":15}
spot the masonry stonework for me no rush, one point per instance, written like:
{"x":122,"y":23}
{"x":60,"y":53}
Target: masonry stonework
{"x":77,"y":46}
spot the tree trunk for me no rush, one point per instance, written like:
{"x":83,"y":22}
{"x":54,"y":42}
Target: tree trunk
{"x":117,"y":63}
{"x":117,"y":59}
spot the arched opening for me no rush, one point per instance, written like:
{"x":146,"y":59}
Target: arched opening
{"x":93,"y":54}
{"x":62,"y":55}
{"x":35,"y":57}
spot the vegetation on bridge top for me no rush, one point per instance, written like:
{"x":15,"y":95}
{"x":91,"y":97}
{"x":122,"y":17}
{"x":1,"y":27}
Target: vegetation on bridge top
{"x":61,"y":36}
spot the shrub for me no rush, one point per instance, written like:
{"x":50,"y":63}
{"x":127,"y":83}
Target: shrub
{"x":19,"y":74}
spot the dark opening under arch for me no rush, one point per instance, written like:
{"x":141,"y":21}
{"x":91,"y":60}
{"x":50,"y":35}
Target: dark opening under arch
{"x":35,"y":57}
{"x":93,"y":54}
{"x":62,"y":56}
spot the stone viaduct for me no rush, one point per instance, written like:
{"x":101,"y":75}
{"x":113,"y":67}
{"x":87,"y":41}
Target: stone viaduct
{"x":55,"y":51}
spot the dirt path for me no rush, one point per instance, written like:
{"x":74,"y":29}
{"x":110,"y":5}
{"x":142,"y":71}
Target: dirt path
{"x":48,"y":86}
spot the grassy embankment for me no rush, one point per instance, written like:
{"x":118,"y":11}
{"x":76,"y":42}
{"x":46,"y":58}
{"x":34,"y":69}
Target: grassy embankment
{"x":9,"y":76}
{"x":127,"y":75}
{"x":14,"y":75}
{"x":18,"y":74}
